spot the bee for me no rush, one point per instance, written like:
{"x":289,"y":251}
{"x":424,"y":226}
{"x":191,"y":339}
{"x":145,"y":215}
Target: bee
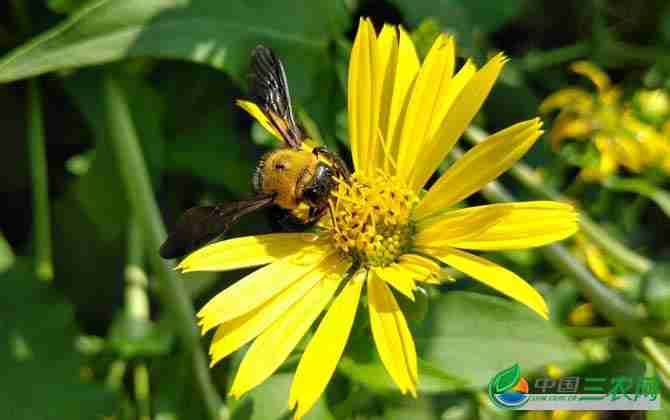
{"x":297,"y":177}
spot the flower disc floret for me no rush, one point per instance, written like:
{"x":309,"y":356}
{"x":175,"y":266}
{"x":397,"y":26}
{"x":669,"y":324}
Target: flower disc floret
{"x":372,"y":219}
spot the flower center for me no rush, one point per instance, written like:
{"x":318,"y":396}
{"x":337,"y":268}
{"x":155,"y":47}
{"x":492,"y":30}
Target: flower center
{"x":371,"y":218}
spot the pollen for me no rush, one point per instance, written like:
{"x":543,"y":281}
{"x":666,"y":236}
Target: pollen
{"x":371,"y":218}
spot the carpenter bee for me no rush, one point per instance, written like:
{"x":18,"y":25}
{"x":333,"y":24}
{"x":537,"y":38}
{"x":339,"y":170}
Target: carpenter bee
{"x":297,"y":177}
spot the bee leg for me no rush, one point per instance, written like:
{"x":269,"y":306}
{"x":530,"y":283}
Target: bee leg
{"x":337,"y":162}
{"x":315,"y":214}
{"x":282,"y":220}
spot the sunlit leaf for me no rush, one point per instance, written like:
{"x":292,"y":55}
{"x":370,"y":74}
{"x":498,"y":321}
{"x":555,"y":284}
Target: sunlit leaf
{"x":474,"y":337}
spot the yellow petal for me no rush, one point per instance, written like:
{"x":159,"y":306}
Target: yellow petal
{"x":398,"y":278}
{"x":628,"y":152}
{"x":423,"y":269}
{"x":239,"y":331}
{"x":456,"y":225}
{"x":324,"y":350}
{"x":275,"y":344}
{"x":259,"y":116}
{"x":460,"y":114}
{"x":363,"y":117}
{"x":392,"y":336}
{"x":479,"y":166}
{"x":386,"y":52}
{"x":248,"y":251}
{"x":596,"y":262}
{"x":259,"y":287}
{"x":429,"y":91}
{"x":590,"y":70}
{"x":568,"y":125}
{"x":492,"y":275}
{"x":404,"y":68}
{"x":567,"y":98}
{"x":515,"y":226}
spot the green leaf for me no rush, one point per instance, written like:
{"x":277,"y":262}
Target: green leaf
{"x":468,"y":19}
{"x":136,"y":337}
{"x":38,"y":356}
{"x":213,"y":32}
{"x":474,"y":336}
{"x":374,"y":376}
{"x":507,"y":378}
{"x":268,"y":401}
{"x":214,"y":152}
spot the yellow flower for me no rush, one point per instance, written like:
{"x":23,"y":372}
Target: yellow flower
{"x":595,"y":260}
{"x":619,"y":137}
{"x":384,"y":233}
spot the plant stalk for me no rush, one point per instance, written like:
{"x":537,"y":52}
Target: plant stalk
{"x":135,"y":178}
{"x":38,"y":172}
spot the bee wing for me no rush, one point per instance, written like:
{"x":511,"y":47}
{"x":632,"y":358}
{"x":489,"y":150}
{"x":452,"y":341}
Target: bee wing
{"x":199,"y":225}
{"x":269,"y":89}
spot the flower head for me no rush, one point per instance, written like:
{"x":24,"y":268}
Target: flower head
{"x":383,"y":234}
{"x":619,"y":136}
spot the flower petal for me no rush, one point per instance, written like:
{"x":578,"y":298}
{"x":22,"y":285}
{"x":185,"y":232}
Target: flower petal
{"x":383,"y":69}
{"x":363,"y":116}
{"x":429,"y":95}
{"x":404,"y":68}
{"x":460,"y":114}
{"x":423,"y":269}
{"x":492,"y":275}
{"x":567,"y":98}
{"x":259,"y":116}
{"x":398,"y":278}
{"x":259,"y":287}
{"x":478,"y":166}
{"x":569,"y":125}
{"x":591,"y":71}
{"x":510,"y":226}
{"x":596,"y":261}
{"x":324,"y":350}
{"x":392,"y":336}
{"x":456,"y":225}
{"x":248,"y":251}
{"x":275,"y":344}
{"x":239,"y":331}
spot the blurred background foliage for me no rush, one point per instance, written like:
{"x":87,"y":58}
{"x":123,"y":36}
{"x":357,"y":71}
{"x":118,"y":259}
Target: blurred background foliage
{"x":94,"y":326}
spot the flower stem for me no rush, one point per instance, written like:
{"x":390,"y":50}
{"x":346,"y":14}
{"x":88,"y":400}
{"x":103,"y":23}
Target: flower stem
{"x":531,"y":180}
{"x":38,"y":172}
{"x":6,"y":254}
{"x":538,"y":60}
{"x":137,"y":308}
{"x":657,"y":356}
{"x":135,"y":179}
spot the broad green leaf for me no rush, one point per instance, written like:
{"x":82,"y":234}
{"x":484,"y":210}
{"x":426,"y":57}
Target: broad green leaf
{"x":374,"y":376}
{"x":134,"y":337}
{"x":268,"y":401}
{"x":474,"y":336}
{"x":214,"y":32}
{"x":470,"y":20}
{"x":41,"y":369}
